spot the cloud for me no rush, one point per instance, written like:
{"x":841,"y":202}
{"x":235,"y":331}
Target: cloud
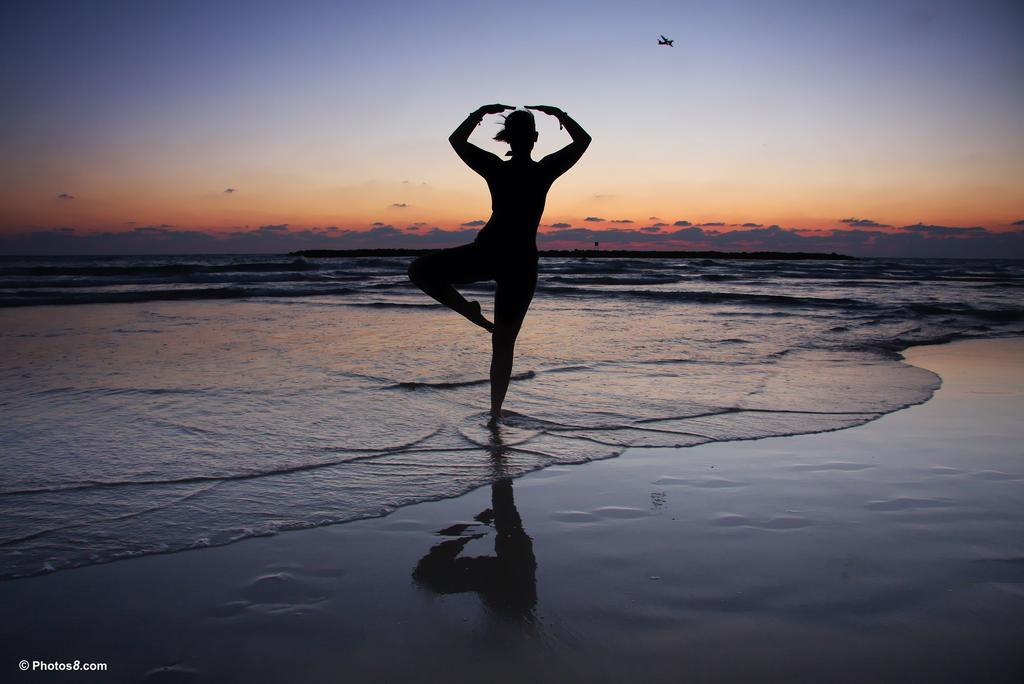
{"x":475,"y":222}
{"x":377,"y":223}
{"x":653,"y":218}
{"x":911,"y":241}
{"x":621,"y":221}
{"x":400,"y":205}
{"x":659,"y":224}
{"x":1018,"y":223}
{"x":384,"y":229}
{"x":230,"y":191}
{"x":653,"y":229}
{"x":753,"y":225}
{"x":944,"y":230}
{"x":560,"y":225}
{"x":162,"y":228}
{"x":863,"y":223}
{"x":65,"y":196}
{"x":682,"y":223}
{"x":412,"y":227}
{"x":710,"y":224}
{"x":141,"y":240}
{"x":594,"y":219}
{"x":917,"y":240}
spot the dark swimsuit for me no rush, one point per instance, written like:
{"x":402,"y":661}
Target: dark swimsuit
{"x":505,"y":250}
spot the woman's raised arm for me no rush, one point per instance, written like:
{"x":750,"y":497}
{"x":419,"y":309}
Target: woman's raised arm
{"x":477,"y":159}
{"x":564,"y":159}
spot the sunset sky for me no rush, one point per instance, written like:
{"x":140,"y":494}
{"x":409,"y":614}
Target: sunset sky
{"x":138,"y":117}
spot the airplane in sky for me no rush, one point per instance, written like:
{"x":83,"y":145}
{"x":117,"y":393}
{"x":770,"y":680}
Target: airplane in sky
{"x":666,"y":41}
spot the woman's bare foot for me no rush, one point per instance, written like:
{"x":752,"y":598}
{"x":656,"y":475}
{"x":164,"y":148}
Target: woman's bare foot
{"x":474,"y":314}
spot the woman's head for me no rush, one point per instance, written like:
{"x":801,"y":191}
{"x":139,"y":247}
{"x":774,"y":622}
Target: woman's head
{"x":520,"y":132}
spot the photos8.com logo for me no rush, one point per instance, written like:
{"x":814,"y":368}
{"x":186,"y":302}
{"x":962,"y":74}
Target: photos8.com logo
{"x":58,"y":666}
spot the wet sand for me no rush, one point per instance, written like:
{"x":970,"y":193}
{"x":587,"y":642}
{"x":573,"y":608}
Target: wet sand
{"x":886,"y":552}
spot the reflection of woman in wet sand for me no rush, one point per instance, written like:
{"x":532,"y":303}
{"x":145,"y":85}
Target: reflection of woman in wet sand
{"x":505,"y":250}
{"x":506,"y":581}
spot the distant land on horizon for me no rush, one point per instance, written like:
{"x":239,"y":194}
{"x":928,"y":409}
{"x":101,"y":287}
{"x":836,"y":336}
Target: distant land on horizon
{"x":589,"y":253}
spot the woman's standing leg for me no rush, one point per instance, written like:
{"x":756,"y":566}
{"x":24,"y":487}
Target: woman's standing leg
{"x":435,"y":274}
{"x":511,"y":301}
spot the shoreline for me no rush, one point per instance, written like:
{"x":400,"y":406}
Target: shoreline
{"x":591,"y":254}
{"x":783,"y":557}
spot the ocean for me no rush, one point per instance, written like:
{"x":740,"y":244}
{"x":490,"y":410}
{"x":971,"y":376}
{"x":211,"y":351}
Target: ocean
{"x":158,"y":404}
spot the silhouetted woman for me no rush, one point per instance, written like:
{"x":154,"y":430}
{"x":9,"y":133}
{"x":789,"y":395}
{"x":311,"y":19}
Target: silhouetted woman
{"x":505,"y":250}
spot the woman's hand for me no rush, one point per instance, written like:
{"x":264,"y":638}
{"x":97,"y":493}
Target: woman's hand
{"x":562,"y":117}
{"x":493,"y":109}
{"x":548,"y":109}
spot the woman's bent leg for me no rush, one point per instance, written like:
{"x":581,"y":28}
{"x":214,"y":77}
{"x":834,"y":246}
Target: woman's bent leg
{"x":435,"y":273}
{"x":511,"y":301}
